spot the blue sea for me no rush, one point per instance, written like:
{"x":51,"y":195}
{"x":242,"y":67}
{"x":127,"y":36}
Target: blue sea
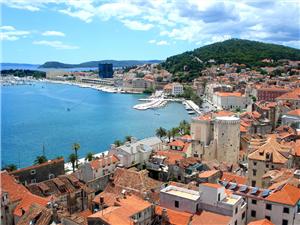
{"x":37,"y":115}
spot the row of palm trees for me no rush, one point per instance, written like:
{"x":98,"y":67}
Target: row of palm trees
{"x":182,"y":129}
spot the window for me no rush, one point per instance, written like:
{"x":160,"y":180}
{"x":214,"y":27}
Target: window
{"x":286,"y":210}
{"x":285,"y":222}
{"x":179,"y":177}
{"x":219,"y":197}
{"x":32,"y":172}
{"x":243,"y":215}
{"x":235,"y":223}
{"x":253,"y":213}
{"x":254,"y":172}
{"x":253,"y":201}
{"x":176,"y":204}
{"x":268,"y":206}
{"x":268,"y":218}
{"x":51,"y":176}
{"x":253,"y":183}
{"x":236,"y":210}
{"x":254,"y":163}
{"x":33,"y":181}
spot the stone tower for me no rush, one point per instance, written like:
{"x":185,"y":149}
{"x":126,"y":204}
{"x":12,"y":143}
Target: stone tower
{"x":227,"y":138}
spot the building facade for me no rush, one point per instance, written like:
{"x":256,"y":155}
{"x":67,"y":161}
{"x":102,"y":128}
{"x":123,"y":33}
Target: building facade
{"x":105,"y":70}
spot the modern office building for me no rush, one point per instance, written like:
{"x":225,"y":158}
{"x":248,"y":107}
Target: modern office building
{"x":106,"y":70}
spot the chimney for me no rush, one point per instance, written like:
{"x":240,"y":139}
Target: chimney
{"x":101,"y":200}
{"x":164,"y":217}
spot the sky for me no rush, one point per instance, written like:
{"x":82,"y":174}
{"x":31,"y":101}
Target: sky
{"x":75,"y":31}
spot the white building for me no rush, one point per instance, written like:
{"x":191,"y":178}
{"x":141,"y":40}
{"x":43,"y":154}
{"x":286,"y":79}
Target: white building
{"x":97,"y":168}
{"x":209,"y":197}
{"x":177,"y":89}
{"x":229,"y":100}
{"x":280,"y":206}
{"x":136,"y":152}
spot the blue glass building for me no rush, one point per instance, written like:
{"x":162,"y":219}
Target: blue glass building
{"x":106,"y":70}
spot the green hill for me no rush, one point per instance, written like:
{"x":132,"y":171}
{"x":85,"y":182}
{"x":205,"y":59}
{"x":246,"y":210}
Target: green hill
{"x":230,"y":51}
{"x":116,"y":63}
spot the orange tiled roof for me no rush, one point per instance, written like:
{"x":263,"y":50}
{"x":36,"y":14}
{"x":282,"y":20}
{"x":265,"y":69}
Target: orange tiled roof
{"x":175,"y":217}
{"x":223,"y":113}
{"x":15,"y":190}
{"x":229,"y":94}
{"x":172,"y":156}
{"x":272,"y":149}
{"x":27,"y":200}
{"x":122,"y":211}
{"x":231,"y":177}
{"x":206,"y":217}
{"x":288,"y":195}
{"x":208,"y":173}
{"x":177,"y":143}
{"x":295,"y":112}
{"x":292,"y":95}
{"x":103,"y":161}
{"x":261,"y":222}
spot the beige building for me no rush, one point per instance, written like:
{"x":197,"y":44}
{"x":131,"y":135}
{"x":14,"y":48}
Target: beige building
{"x":267,"y":156}
{"x":216,"y":138}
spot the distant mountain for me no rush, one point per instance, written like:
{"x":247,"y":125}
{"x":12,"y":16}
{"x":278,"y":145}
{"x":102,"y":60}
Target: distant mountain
{"x":230,"y":51}
{"x":116,"y":63}
{"x":18,"y":66}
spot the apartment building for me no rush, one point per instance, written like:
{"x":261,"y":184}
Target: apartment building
{"x":281,"y":206}
{"x":136,"y":152}
{"x":207,"y":198}
{"x":268,"y":155}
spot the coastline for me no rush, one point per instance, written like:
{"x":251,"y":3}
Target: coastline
{"x":108,"y":89}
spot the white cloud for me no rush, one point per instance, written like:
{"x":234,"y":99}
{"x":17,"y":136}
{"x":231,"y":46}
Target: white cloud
{"x":152,"y":41}
{"x":194,"y":21}
{"x":135,"y":25}
{"x":162,"y":42}
{"x":53,"y":33}
{"x":9,"y":33}
{"x":7,"y":28}
{"x":55,"y":44}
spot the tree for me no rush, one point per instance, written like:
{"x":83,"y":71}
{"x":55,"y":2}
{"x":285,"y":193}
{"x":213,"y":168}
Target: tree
{"x":76,"y":147}
{"x":161,"y":132}
{"x":182,"y":126}
{"x":40,"y":159}
{"x":118,"y":143}
{"x":169,"y":135}
{"x":128,"y":138}
{"x":10,"y":167}
{"x":73,"y":160}
{"x":89,"y":156}
{"x":174,"y":132}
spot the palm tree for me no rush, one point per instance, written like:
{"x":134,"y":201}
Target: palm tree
{"x":76,"y":147}
{"x":128,"y":138}
{"x":169,"y":135}
{"x":174,"y":132}
{"x":161,"y":132}
{"x":73,"y":160}
{"x":10,"y":167}
{"x":40,"y":159}
{"x":182,"y":126}
{"x":89,"y":156}
{"x":118,"y":143}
